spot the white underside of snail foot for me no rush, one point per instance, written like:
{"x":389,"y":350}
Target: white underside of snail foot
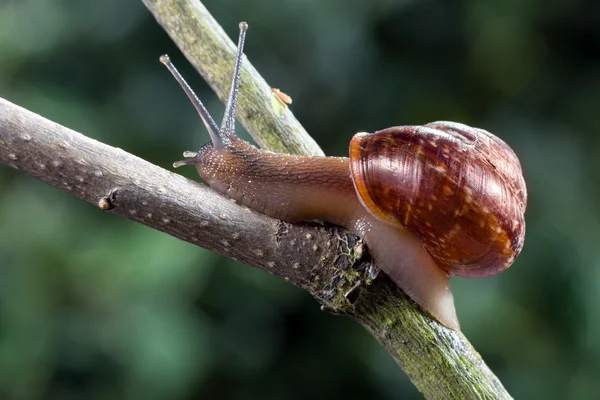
{"x":404,"y":259}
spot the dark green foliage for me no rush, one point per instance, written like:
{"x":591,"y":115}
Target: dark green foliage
{"x":95,"y":307}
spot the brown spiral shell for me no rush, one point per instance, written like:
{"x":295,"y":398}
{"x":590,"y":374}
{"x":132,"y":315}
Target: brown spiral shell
{"x":457,"y":188}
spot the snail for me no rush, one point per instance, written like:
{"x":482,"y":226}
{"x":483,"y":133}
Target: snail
{"x":429,"y":201}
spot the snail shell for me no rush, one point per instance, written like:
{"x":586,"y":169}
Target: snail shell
{"x":459,"y":189}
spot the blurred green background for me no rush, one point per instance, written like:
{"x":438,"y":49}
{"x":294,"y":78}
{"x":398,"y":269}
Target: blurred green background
{"x":96,"y":307}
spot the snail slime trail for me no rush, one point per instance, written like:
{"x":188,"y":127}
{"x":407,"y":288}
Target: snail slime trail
{"x":429,"y":201}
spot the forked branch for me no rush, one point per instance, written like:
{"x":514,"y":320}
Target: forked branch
{"x":324,"y":260}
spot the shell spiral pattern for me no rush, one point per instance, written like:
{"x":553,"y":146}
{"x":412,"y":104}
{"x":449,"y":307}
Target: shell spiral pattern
{"x":459,"y":189}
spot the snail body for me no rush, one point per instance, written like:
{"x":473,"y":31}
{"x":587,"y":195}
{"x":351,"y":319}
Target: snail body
{"x":430,"y":201}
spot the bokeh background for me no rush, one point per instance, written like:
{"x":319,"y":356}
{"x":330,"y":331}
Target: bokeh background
{"x":96,"y":307}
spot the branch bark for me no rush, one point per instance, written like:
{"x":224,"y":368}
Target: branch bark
{"x":324,"y":260}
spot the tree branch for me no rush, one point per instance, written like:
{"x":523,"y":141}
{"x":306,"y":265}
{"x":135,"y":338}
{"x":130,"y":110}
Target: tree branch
{"x":324,"y":260}
{"x":208,"y":48}
{"x":123,"y":184}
